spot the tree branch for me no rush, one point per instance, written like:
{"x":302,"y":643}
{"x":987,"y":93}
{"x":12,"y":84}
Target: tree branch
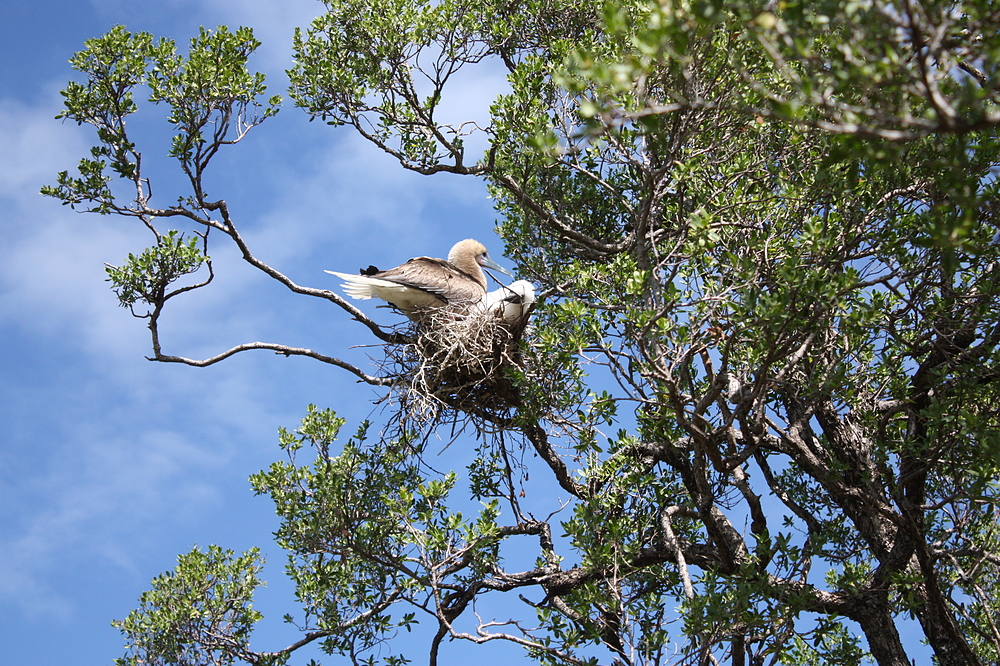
{"x":279,"y":349}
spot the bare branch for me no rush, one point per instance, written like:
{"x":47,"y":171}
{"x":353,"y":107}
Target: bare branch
{"x":279,"y":349}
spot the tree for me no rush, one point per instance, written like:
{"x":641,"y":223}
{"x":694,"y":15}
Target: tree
{"x":771,"y":227}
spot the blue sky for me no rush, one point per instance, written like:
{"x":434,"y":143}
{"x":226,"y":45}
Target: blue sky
{"x":111,"y":465}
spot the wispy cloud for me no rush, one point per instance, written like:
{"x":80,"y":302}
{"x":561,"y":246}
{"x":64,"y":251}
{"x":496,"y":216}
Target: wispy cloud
{"x":95,"y":502}
{"x":50,"y":260}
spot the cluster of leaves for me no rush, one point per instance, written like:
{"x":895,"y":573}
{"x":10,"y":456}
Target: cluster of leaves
{"x":211,"y":95}
{"x":389,"y":74}
{"x":145,"y":278}
{"x":201,"y":613}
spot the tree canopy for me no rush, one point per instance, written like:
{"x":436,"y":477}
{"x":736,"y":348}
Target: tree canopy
{"x":763,"y":370}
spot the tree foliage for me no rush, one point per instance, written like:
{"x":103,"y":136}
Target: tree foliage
{"x":199,"y":614}
{"x":764,"y":371}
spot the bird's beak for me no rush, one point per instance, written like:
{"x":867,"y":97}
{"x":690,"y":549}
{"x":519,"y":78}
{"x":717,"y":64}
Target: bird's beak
{"x":489,"y":263}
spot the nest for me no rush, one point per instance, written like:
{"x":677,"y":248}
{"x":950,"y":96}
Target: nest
{"x":457,"y":361}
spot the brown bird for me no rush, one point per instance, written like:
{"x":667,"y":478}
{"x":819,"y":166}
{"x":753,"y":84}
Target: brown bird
{"x":425,"y":282}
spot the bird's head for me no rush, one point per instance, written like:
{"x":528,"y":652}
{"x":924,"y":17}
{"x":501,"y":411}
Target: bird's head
{"x":479,"y":253}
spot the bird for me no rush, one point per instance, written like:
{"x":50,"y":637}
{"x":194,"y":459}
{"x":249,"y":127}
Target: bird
{"x":512,"y":302}
{"x":425,"y":282}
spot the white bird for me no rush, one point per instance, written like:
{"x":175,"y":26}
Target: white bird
{"x":425,"y":282}
{"x":512,"y":302}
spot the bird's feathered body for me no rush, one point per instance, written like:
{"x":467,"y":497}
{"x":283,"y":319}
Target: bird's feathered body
{"x":512,"y":302}
{"x":426,"y":282}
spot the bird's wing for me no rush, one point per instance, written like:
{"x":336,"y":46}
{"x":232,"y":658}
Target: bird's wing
{"x":436,"y":276}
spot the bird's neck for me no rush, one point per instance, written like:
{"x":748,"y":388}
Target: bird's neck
{"x":472,"y":269}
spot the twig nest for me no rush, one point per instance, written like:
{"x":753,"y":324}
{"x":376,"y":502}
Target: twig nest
{"x":458,"y":359}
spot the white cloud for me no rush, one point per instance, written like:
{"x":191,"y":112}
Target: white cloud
{"x":353,"y":195}
{"x":51,"y":272}
{"x":273,"y":24}
{"x":34,"y":146}
{"x":95,"y":502}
